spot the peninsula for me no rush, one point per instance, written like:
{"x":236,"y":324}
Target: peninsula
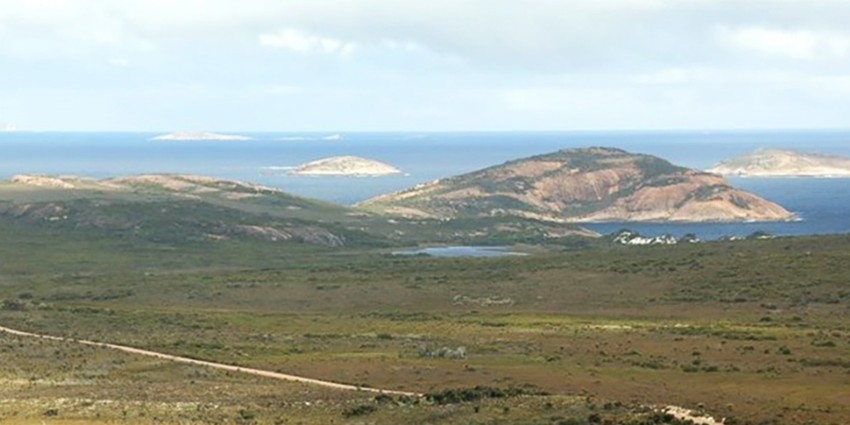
{"x":785,"y":163}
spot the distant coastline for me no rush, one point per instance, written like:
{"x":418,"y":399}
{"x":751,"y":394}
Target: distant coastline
{"x":779,"y":163}
{"x":201,"y":136}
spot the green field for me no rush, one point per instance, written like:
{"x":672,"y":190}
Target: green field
{"x":754,"y":331}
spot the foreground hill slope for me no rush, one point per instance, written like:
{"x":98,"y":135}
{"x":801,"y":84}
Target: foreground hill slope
{"x":784,"y":163}
{"x":583,"y":185}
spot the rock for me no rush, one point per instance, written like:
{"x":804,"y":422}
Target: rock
{"x":444,"y":353}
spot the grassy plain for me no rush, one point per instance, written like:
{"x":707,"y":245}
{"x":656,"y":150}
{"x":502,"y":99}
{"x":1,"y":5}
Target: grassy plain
{"x":755,"y":331}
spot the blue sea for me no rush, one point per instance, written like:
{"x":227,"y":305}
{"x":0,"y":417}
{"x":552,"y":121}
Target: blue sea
{"x":823,"y":204}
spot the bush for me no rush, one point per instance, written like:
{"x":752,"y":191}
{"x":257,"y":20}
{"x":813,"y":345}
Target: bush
{"x":466,"y":395}
{"x":361,"y":410}
{"x":247,"y":415}
{"x":384,"y":399}
{"x":15,"y":305}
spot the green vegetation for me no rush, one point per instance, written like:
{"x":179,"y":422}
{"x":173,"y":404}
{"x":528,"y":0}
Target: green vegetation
{"x":753,"y":330}
{"x":580,"y":332}
{"x":468,"y":395}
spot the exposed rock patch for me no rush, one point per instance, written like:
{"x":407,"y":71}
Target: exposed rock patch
{"x":44,"y":181}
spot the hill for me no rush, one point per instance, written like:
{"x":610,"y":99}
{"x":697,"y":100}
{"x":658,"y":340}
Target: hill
{"x":174,"y":209}
{"x":784,"y":163}
{"x":181,"y":209}
{"x":583,"y":185}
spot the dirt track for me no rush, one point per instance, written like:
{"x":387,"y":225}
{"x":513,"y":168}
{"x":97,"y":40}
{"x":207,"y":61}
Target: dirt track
{"x":678,"y":412}
{"x":220,"y":366}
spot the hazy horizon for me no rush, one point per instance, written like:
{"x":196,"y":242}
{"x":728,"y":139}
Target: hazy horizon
{"x":412,"y":66}
{"x":328,"y":132}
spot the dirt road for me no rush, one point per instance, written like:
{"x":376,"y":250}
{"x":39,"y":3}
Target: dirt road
{"x":214,"y":365}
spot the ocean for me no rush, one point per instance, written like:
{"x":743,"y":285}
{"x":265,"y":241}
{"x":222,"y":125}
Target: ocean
{"x":823,"y":204}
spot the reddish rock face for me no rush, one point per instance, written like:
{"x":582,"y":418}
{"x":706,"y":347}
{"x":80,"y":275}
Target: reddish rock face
{"x":583,"y":185}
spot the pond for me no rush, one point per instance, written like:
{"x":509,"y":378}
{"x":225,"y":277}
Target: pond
{"x":461,"y":251}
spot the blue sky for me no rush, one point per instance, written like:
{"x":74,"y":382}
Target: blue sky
{"x":402,"y":65}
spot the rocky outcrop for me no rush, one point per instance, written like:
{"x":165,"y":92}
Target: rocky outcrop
{"x":784,"y":163}
{"x":584,"y":185}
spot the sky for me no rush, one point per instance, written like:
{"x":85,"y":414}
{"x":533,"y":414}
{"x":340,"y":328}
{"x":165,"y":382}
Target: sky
{"x":424,"y":65}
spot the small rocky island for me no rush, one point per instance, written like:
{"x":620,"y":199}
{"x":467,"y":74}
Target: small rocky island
{"x":352,"y":166}
{"x":785,"y":163}
{"x":201,"y":137}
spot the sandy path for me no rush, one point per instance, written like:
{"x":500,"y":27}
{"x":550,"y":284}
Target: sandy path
{"x":220,"y":366}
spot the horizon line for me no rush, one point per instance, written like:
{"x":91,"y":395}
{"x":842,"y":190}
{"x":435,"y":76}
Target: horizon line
{"x":491,"y":131}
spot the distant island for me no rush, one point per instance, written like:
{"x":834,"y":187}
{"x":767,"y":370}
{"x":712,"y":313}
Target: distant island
{"x":345,"y":166}
{"x":201,"y":136}
{"x":329,"y":138}
{"x":333,"y":138}
{"x":583,"y":185}
{"x":785,"y":163}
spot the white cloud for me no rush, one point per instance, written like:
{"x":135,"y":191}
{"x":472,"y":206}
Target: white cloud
{"x":432,"y":64}
{"x":712,"y":75}
{"x":541,"y":35}
{"x":280,"y":89}
{"x":401,"y":45}
{"x":301,"y":42}
{"x":791,"y":44}
{"x":677,"y":75}
{"x":119,"y":62}
{"x":829,"y":87}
